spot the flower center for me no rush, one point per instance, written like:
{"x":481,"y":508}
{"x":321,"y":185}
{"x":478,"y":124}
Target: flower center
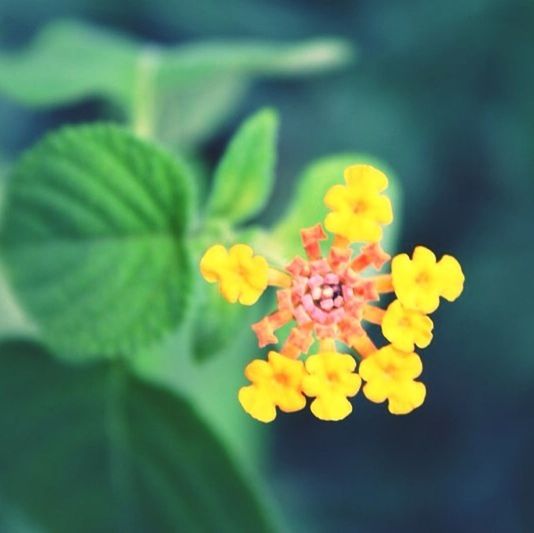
{"x":327,"y":296}
{"x":359,"y":207}
{"x":332,"y":377}
{"x":423,"y":278}
{"x":390,"y":370}
{"x":281,"y":379}
{"x":243,"y":272}
{"x":405,"y":322}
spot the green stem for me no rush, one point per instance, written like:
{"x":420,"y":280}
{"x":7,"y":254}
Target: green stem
{"x":144,"y":101}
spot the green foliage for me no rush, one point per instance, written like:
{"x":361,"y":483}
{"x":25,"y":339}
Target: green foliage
{"x":94,"y":240}
{"x":245,"y":176}
{"x":187,"y":114}
{"x":307,"y":207}
{"x":69,"y":61}
{"x":217,"y":323}
{"x":97,"y":449}
{"x":12,"y":319}
{"x":182,"y":93}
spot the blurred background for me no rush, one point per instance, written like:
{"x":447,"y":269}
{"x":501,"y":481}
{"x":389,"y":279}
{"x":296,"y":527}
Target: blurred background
{"x":443,"y":93}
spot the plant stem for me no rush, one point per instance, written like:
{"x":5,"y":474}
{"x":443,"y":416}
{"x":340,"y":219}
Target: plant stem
{"x":144,"y":101}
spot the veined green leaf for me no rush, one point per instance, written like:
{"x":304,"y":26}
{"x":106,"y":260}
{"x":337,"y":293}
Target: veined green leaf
{"x":307,"y":207}
{"x":245,"y":175}
{"x":93,"y":240}
{"x":97,"y":449}
{"x":178,"y":94}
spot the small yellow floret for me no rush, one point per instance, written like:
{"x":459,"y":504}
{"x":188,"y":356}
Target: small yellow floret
{"x":331,"y":379}
{"x":420,"y":281}
{"x":358,"y":208}
{"x":405,"y":328}
{"x":276,"y":382}
{"x":241,"y":275}
{"x":390,"y":375}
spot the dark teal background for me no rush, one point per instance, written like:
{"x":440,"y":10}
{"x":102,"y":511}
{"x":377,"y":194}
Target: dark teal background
{"x":442,"y":92}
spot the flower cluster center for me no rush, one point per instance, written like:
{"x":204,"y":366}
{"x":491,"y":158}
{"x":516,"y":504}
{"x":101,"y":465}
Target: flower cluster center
{"x":326,"y":292}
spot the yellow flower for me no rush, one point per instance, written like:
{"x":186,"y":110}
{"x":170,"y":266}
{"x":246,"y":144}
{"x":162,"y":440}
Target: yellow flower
{"x":331,"y":379}
{"x":358,"y":208}
{"x":241,"y":275}
{"x":390,"y":375}
{"x":276,"y":382}
{"x":405,"y":328}
{"x":419,"y":282}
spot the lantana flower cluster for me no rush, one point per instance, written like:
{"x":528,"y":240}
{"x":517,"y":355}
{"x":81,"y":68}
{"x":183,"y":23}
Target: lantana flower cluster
{"x":328,"y":298}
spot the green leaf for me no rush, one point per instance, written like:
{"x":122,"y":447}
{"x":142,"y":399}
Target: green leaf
{"x":97,"y":449}
{"x":199,"y":86}
{"x":307,"y":207}
{"x":179,"y":94}
{"x":216,"y":324}
{"x":245,"y":175}
{"x":187,"y":114}
{"x":12,"y":319}
{"x":69,"y":61}
{"x":94,"y":240}
{"x":255,"y":58}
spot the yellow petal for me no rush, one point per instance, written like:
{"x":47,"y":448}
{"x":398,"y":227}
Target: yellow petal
{"x":258,"y":371}
{"x":230,"y":287}
{"x":315,"y":364}
{"x":213,"y":262}
{"x":257,"y":403}
{"x":401,"y":266}
{"x":240,"y":253}
{"x":407,"y":397}
{"x":403,"y":279}
{"x":292,"y":369}
{"x":331,"y":373}
{"x":258,"y":273}
{"x":398,"y":406}
{"x":338,"y":222}
{"x":364,"y":229}
{"x":336,"y":198}
{"x":396,"y":327}
{"x":408,"y":365}
{"x":249,"y":295}
{"x":381,"y":209}
{"x":313,"y":385}
{"x":417,"y":283}
{"x":452,"y":277}
{"x":290,"y":400}
{"x":325,"y":362}
{"x":349,"y":385}
{"x":331,"y":407}
{"x":426,"y":302}
{"x":423,"y":257}
{"x":369,"y":368}
{"x":341,"y":361}
{"x":405,"y":328}
{"x":423,"y":331}
{"x":377,"y":390}
{"x":365,"y":177}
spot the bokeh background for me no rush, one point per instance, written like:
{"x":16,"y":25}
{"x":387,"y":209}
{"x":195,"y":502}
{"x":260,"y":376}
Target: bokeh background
{"x":442,"y":92}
